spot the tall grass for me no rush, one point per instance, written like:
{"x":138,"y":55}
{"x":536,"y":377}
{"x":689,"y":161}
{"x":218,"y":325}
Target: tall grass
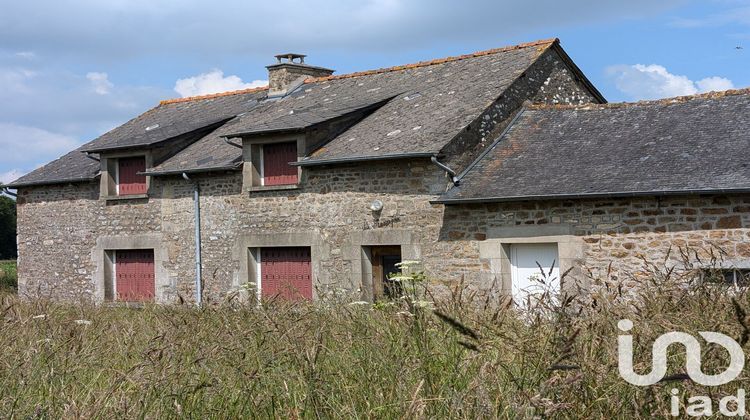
{"x":8,"y":276}
{"x":457,"y":359}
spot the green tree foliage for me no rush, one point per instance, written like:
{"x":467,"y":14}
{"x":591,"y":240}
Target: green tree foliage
{"x":7,"y":228}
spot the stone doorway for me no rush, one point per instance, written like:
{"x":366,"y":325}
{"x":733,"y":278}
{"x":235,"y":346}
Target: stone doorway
{"x":384,"y":265}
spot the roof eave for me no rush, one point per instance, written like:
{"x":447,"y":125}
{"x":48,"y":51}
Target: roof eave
{"x":321,"y":162}
{"x":619,"y":194}
{"x":17,"y":185}
{"x":233,"y":167}
{"x":156,"y":143}
{"x":265,"y":132}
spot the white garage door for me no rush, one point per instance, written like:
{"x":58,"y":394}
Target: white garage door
{"x":525,"y":273}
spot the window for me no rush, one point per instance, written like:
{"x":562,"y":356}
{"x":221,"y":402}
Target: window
{"x":275,"y":168}
{"x":535,"y":268}
{"x":132,"y":276}
{"x":128,"y":179}
{"x":284,"y":272}
{"x":733,"y":277}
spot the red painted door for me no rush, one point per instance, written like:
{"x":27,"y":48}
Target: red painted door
{"x":276,"y":167}
{"x":135,"y":275}
{"x":286,"y":273}
{"x":130,"y":182}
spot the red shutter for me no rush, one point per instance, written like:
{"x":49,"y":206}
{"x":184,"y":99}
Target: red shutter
{"x":276,"y":167}
{"x":129,"y":181}
{"x":135,"y":275}
{"x":286,"y":272}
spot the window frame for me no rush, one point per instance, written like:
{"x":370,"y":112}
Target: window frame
{"x":253,"y":172}
{"x":110,"y":175}
{"x":708,"y":274}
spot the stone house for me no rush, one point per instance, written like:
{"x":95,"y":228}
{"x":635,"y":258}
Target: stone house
{"x":484,"y":168}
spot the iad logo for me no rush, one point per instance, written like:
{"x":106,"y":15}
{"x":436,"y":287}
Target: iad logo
{"x":703,"y":404}
{"x":693,"y":353}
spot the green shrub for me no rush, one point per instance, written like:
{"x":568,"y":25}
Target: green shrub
{"x":8,"y":276}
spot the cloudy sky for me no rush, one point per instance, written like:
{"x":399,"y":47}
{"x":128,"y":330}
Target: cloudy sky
{"x":72,"y":69}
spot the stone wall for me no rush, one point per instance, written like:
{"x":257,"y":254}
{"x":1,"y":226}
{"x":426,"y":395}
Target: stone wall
{"x":59,"y":229}
{"x":616,"y":235}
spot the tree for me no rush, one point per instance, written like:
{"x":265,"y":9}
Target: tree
{"x":8,"y":248}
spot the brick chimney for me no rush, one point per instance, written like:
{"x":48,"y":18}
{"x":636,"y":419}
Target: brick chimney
{"x":289,"y":72}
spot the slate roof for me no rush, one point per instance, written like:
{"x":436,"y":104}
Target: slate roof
{"x":424,"y":105}
{"x":438,"y":99}
{"x":174,"y":118}
{"x":674,"y":146}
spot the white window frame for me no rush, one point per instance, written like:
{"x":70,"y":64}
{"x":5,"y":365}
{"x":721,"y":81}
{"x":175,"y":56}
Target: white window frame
{"x":117,"y":176}
{"x":114,"y":275}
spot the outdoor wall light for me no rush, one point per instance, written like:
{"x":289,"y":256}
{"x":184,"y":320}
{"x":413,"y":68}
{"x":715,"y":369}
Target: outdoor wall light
{"x":376,"y":205}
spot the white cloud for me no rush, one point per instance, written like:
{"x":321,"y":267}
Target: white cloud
{"x":28,"y":55}
{"x":100,"y":82}
{"x":213,"y":82}
{"x":654,"y":81}
{"x":29,"y":146}
{"x":103,"y":30}
{"x":714,"y":84}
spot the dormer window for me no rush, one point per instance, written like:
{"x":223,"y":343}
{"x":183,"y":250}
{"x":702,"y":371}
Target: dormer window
{"x":128,"y":179}
{"x":122,"y":175}
{"x":275,"y":167}
{"x":269,"y":163}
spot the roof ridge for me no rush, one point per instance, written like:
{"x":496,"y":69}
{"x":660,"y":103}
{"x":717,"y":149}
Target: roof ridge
{"x":212,"y":95}
{"x":542,"y":42}
{"x":545,"y":42}
{"x":662,"y":101}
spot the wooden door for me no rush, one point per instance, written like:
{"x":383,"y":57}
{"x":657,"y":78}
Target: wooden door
{"x":384,"y":260}
{"x":135,"y":275}
{"x":286,"y":273}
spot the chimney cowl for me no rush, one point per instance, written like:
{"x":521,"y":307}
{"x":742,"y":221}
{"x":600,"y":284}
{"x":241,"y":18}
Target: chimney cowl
{"x":289,"y":72}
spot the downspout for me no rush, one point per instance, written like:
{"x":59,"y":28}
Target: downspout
{"x":229,"y":142}
{"x":197,"y":210}
{"x":444,"y":167}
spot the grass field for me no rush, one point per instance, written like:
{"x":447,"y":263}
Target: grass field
{"x":345,"y":360}
{"x":8,"y":278}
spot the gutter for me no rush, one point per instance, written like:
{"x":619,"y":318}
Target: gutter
{"x":619,"y":194}
{"x":51,"y":182}
{"x":198,"y":268}
{"x":320,"y":162}
{"x":191,"y":171}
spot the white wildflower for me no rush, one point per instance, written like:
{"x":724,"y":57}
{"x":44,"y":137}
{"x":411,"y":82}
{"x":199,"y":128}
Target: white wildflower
{"x":407,"y":263}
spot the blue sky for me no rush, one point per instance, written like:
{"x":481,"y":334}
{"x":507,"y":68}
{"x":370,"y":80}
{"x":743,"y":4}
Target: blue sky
{"x":71,"y":70}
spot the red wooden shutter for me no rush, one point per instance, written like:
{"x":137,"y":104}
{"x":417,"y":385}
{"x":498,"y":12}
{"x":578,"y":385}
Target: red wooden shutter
{"x":276,"y":167}
{"x":135,"y":275}
{"x":286,"y":272}
{"x":129,"y":181}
